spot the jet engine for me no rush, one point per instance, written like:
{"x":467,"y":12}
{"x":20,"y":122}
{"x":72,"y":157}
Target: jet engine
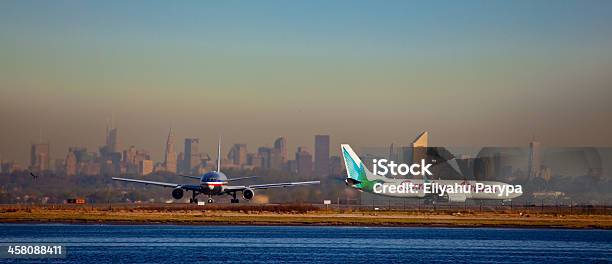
{"x":248,"y":194}
{"x":177,"y":193}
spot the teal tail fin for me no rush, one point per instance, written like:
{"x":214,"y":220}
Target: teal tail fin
{"x":357,"y":174}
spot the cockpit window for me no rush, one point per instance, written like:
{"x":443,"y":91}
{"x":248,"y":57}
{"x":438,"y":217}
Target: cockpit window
{"x":208,"y":177}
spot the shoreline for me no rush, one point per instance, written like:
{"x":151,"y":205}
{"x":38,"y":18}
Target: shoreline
{"x":153,"y":223}
{"x":311,"y":218}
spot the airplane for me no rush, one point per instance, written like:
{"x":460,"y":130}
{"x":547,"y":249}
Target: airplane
{"x":214,"y":183}
{"x":360,"y":178}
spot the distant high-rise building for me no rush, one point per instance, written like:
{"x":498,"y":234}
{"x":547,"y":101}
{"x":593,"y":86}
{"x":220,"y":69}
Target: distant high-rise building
{"x":179,"y":162}
{"x":111,"y":163}
{"x":265,"y":154}
{"x":276,"y":160}
{"x":39,"y":157}
{"x":321,"y":161}
{"x":80,"y":153}
{"x":238,"y":154}
{"x":254,"y":160}
{"x":392,"y":153}
{"x":419,"y":147}
{"x":112,"y":141}
{"x":534,"y":159}
{"x":303,"y":160}
{"x":129,"y":156}
{"x":335,"y":165}
{"x":141,"y":155}
{"x":111,"y":154}
{"x":191,"y":150}
{"x":145,"y":167}
{"x":292,"y":166}
{"x":281,"y":145}
{"x":170,"y":154}
{"x":71,"y":164}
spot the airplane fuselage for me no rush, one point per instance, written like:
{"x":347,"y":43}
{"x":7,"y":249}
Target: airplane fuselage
{"x":359,"y":177}
{"x":213,"y":183}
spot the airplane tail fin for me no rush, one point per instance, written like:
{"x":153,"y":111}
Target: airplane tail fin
{"x":356,"y":171}
{"x":219,"y":155}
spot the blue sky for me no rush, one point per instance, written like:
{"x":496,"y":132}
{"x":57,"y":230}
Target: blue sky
{"x":467,"y":71}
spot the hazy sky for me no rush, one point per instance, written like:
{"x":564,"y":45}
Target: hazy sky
{"x":366,"y":72}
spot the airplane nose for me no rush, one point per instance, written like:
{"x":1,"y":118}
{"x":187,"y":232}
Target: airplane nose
{"x":211,"y":187}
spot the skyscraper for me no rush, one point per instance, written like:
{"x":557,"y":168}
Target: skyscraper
{"x":129,"y":159}
{"x":191,"y":149}
{"x":170,"y":154}
{"x":71,"y":164}
{"x":534,"y":159}
{"x":321,"y":155}
{"x":281,"y":145}
{"x":111,"y":140}
{"x":264,"y":153}
{"x":336,"y":165}
{"x":238,"y":154}
{"x":254,"y":160}
{"x":392,"y":153}
{"x":303,"y":160}
{"x":39,"y":157}
{"x":145,"y":167}
{"x":276,"y":162}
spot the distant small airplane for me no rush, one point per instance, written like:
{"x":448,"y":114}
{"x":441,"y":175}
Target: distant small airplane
{"x":215,"y":183}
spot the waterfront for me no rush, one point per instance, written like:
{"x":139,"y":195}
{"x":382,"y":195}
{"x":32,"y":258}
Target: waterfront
{"x":298,"y":244}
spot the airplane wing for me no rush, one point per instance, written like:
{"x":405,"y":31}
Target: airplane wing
{"x":241,"y":178}
{"x":164,"y":184}
{"x":268,"y":186}
{"x":190,"y":176}
{"x":190,"y":187}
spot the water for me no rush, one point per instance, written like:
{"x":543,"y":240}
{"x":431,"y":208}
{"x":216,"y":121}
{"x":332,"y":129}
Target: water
{"x":299,"y":244}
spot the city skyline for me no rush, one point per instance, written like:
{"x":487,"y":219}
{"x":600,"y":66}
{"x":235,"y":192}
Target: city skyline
{"x":112,"y":138}
{"x":112,"y":141}
{"x":110,"y":159}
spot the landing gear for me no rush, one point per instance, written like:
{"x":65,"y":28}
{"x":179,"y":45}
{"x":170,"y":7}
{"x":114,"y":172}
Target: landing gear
{"x":234,"y":199}
{"x":210,"y":199}
{"x":193,"y":198}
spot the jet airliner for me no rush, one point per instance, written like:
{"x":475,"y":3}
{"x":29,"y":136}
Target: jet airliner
{"x":359,"y":177}
{"x":215,"y":183}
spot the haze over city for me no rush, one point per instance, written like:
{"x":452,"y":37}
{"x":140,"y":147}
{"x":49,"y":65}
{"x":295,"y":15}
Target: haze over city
{"x":366,"y":74}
